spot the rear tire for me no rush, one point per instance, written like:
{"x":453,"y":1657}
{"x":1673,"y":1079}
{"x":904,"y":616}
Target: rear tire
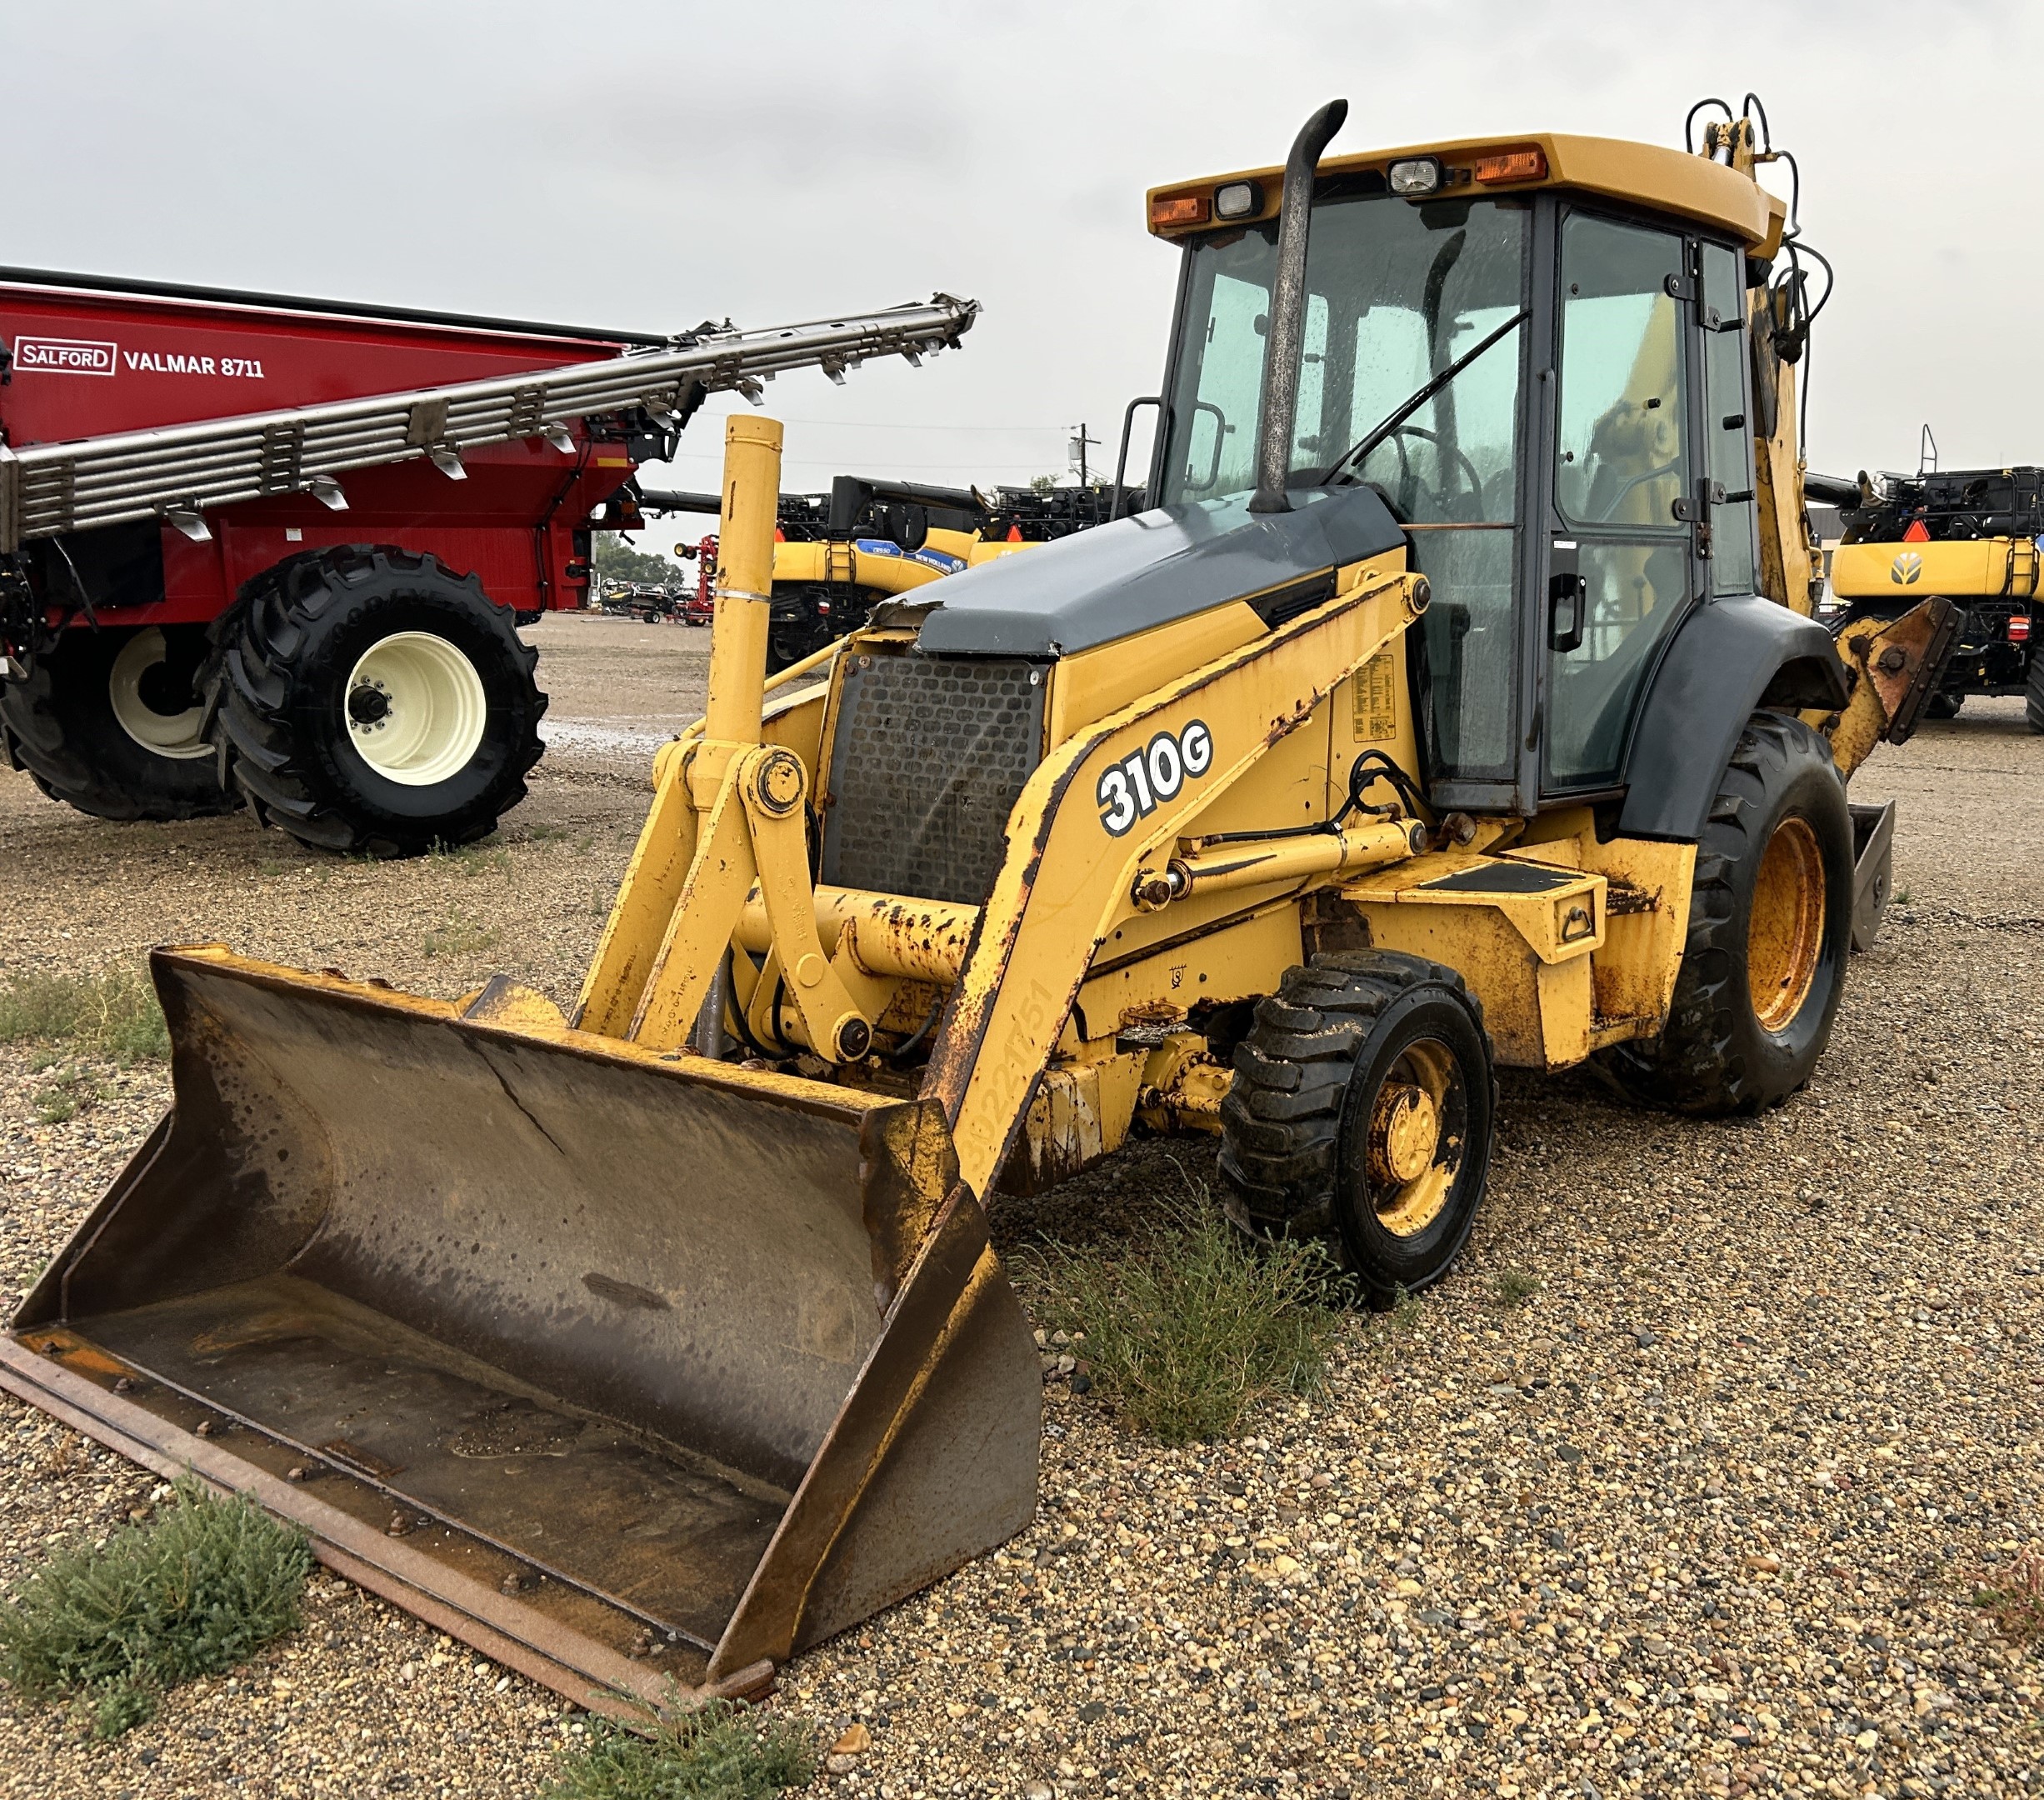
{"x":1361,"y":1105}
{"x":368,"y":700}
{"x":2033,"y":686}
{"x":1770,"y":929}
{"x":109,"y":722}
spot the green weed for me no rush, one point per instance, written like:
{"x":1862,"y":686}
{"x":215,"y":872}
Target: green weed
{"x":1903,"y":897}
{"x":1189,"y":1335}
{"x":194,"y":1590}
{"x":74,"y":1091}
{"x":1403,"y":1316}
{"x":2017,"y":1604}
{"x":460,"y":936}
{"x":113,"y":1018}
{"x":722,"y":1751}
{"x":1513,"y":1287}
{"x":471,"y":860}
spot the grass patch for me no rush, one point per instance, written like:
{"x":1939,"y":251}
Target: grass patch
{"x":114,"y":1018}
{"x":1513,"y":1287}
{"x":2017,"y":1604}
{"x":1189,"y":1335}
{"x":460,"y":936}
{"x":472,"y":859}
{"x":72,"y":1091}
{"x":1405,"y":1313}
{"x":724,"y":1751}
{"x":195,"y":1590}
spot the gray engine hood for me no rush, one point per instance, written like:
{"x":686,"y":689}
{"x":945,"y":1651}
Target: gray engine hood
{"x":1157,"y":566}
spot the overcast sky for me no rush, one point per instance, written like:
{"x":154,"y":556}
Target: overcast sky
{"x":649,"y":165}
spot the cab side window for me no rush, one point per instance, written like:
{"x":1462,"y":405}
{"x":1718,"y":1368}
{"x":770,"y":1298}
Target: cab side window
{"x":1622,"y":482}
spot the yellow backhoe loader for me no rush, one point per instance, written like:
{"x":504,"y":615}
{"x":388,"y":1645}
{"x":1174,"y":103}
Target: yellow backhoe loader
{"x":1455,"y":703}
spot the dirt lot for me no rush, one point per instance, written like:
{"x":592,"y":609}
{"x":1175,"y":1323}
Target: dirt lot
{"x":1705,"y":1515}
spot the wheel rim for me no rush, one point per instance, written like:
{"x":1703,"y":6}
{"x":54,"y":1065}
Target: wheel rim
{"x":1785,"y":932}
{"x":149,"y":703}
{"x":415,"y":709}
{"x":1413,"y":1143}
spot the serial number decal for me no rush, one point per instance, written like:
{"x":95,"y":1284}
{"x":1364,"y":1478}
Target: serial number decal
{"x":1377,"y":698}
{"x":180,"y":362}
{"x":1132,"y":788}
{"x":65,"y":356}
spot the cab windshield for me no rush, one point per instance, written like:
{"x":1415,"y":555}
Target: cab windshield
{"x":1396,"y":293}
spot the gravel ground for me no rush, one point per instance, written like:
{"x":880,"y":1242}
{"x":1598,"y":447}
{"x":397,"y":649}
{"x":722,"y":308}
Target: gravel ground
{"x":1703,"y":1515}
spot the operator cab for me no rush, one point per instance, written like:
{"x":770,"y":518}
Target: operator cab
{"x":1537,"y":355}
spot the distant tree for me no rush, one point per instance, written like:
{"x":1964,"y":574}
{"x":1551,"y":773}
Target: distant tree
{"x":1043,"y":483}
{"x":615,"y":560}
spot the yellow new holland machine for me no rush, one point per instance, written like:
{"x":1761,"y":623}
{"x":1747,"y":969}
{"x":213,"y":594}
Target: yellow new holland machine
{"x":1456,"y":703}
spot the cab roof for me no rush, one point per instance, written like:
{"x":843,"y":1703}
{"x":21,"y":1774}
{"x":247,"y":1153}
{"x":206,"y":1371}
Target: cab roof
{"x":1691,"y":187}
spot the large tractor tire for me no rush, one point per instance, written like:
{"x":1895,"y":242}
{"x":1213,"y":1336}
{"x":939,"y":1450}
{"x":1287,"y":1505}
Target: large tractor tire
{"x":369,"y":700}
{"x":2033,"y":686}
{"x":110,"y":722}
{"x":799,"y":626}
{"x":1770,"y":929}
{"x":1362,"y":1105}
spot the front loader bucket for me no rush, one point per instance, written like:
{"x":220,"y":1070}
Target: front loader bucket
{"x":630,"y":1368}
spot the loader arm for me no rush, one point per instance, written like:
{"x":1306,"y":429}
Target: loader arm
{"x":1068,"y":880}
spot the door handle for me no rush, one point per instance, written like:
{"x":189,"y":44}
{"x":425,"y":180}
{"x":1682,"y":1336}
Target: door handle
{"x":1568,"y":597}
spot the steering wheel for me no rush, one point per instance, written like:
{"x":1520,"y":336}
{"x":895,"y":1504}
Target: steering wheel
{"x":1408,"y":482}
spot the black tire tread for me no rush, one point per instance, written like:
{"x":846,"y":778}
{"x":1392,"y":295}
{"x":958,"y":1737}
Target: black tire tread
{"x":255,"y":642}
{"x":1281,"y":1119}
{"x":36,"y":740}
{"x":1692,"y":1066}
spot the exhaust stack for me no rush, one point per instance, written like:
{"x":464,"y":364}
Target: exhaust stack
{"x":1288,"y":314}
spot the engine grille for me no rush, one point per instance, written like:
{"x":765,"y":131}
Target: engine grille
{"x":929,"y":755}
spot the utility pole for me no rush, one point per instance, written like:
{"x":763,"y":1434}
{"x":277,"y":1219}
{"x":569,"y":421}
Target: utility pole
{"x":1079,"y":441}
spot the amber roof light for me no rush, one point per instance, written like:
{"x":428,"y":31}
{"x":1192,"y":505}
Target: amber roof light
{"x":1182,"y":209}
{"x":1512,"y":166}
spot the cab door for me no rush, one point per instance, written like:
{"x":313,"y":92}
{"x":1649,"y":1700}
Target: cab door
{"x":1625,"y":561}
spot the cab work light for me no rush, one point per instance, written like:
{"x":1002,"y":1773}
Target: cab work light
{"x":1512,"y":166}
{"x":1414,"y":175}
{"x":1241,"y":199}
{"x":1181,"y":209}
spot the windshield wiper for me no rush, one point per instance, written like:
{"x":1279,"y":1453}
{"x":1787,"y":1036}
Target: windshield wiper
{"x":1420,"y":396}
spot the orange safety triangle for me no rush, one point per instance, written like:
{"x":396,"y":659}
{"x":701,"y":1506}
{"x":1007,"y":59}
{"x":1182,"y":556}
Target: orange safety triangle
{"x":1918,"y":532}
{"x":1014,"y":534}
{"x":779,"y":536}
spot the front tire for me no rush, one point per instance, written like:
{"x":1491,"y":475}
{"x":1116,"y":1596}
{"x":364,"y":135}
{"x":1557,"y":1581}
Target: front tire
{"x":1944,"y":705}
{"x":798,"y":627}
{"x":110,"y":722}
{"x":1770,"y":929}
{"x":1361,"y":1105}
{"x":369,"y":700}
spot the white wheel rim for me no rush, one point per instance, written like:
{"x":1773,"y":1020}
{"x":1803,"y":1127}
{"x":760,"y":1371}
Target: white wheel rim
{"x":175,"y":735}
{"x":415,"y":708}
